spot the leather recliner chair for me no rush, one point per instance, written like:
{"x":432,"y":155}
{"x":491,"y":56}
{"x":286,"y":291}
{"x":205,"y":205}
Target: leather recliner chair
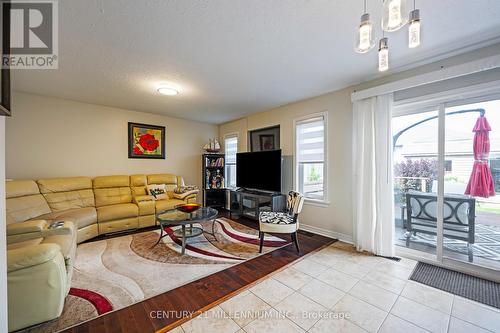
{"x":39,"y":259}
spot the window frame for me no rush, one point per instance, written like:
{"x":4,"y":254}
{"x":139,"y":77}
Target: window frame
{"x":297,"y":121}
{"x":226,"y":164}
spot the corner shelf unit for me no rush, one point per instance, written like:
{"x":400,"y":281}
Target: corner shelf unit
{"x":214,"y":190}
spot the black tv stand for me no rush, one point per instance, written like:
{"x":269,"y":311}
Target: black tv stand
{"x":250,"y":203}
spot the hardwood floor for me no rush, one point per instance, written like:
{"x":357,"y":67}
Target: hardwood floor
{"x":170,"y":309}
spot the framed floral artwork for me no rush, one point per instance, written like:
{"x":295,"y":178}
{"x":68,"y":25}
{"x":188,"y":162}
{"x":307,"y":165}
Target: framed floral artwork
{"x":146,"y":141}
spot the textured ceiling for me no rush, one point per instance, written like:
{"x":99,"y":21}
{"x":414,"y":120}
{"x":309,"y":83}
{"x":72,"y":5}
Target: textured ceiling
{"x":233,"y":57}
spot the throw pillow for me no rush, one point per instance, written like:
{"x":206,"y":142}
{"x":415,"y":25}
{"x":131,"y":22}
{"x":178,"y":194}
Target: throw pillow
{"x":184,"y":189}
{"x":158,"y":191}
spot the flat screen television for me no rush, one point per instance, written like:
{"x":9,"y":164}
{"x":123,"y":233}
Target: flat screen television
{"x":259,"y":170}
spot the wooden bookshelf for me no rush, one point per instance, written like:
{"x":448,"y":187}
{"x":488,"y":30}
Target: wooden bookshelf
{"x":214,"y":182}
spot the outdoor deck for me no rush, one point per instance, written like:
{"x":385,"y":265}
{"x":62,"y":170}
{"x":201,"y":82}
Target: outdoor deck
{"x":486,"y":248}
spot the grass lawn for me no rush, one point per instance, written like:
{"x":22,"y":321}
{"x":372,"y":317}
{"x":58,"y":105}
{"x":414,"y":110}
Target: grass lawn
{"x":488,"y":209}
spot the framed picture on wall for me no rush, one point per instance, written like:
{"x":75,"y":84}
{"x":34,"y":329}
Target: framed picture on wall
{"x":266,"y":142}
{"x":146,"y":141}
{"x":264,"y":139}
{"x":5,"y":103}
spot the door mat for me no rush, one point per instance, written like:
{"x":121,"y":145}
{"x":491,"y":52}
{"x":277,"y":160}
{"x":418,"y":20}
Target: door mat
{"x":460,"y":284}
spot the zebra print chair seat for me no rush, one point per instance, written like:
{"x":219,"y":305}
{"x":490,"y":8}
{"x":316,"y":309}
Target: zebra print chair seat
{"x":276,"y":218}
{"x":283,"y":222}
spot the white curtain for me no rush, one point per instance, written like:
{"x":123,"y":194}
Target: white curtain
{"x":373,"y":202}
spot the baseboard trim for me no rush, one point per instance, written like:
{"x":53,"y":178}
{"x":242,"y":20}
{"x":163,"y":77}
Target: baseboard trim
{"x":327,"y":233}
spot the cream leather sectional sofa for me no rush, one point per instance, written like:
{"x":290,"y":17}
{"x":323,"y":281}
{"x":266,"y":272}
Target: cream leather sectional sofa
{"x":40,"y":259}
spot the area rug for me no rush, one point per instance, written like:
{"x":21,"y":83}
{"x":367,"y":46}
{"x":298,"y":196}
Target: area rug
{"x":487,"y":242}
{"x":468,"y":286}
{"x":118,"y":272}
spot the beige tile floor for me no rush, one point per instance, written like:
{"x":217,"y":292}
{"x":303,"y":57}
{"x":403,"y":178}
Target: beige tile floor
{"x":339,"y":290}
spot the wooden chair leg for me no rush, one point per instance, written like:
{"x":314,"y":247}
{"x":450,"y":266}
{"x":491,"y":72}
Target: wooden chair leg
{"x":296,"y":241}
{"x":261,"y":236}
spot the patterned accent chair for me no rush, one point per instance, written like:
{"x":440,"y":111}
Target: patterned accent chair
{"x":283,"y":222}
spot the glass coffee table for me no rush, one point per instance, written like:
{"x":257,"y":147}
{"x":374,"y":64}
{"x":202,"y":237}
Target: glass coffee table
{"x":174,"y":217}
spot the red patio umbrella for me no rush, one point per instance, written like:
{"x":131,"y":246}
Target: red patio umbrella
{"x":481,"y":180}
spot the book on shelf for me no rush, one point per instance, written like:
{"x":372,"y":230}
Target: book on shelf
{"x":214,"y":162}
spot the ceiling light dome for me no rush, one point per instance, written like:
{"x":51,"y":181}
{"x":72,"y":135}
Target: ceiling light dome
{"x":168,"y":90}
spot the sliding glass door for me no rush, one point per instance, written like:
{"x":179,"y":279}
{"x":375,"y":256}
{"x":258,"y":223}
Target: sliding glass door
{"x":415,"y":155}
{"x":447,"y":182}
{"x":472,"y":183}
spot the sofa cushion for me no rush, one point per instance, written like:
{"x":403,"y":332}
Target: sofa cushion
{"x":24,"y":201}
{"x":67,"y":193}
{"x":26,"y":227}
{"x":162,"y":178}
{"x":21,"y":244}
{"x":163,"y":205}
{"x":20,"y":209}
{"x":138,"y":184}
{"x":138,"y":180}
{"x":81,"y":217}
{"x":67,"y":184}
{"x":115,"y":212}
{"x":30,"y":255}
{"x":20,"y":188}
{"x":111,"y":181}
{"x":112,"y":196}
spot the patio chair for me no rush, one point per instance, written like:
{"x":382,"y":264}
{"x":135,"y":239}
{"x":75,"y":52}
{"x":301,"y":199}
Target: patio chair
{"x":459,"y":217}
{"x":283,"y":222}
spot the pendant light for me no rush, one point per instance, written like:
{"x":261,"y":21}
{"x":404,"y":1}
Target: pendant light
{"x":383,"y":55}
{"x":393,"y":15}
{"x":364,"y":34}
{"x":414,"y":28}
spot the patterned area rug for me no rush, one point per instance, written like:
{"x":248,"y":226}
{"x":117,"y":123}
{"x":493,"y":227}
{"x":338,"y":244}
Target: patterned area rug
{"x":117,"y":272}
{"x":487,"y":242}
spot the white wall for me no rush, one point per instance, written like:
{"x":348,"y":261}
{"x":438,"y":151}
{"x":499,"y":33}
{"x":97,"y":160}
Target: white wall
{"x":3,"y":241}
{"x":334,"y":219}
{"x":50,"y":137}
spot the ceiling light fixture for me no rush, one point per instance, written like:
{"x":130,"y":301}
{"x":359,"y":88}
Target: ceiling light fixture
{"x":364,"y":34}
{"x":414,"y":28}
{"x":383,"y":55}
{"x":394,"y":16}
{"x":168,"y":91}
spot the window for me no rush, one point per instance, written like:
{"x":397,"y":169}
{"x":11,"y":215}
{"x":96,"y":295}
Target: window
{"x":310,"y":155}
{"x":230,"y":149}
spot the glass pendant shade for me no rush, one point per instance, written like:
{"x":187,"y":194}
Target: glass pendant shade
{"x":394,"y":15}
{"x":383,"y":55}
{"x":414,"y":29}
{"x":364,"y":35}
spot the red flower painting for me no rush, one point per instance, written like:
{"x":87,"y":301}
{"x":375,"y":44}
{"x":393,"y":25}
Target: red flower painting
{"x":137,"y":151}
{"x":146,"y":141}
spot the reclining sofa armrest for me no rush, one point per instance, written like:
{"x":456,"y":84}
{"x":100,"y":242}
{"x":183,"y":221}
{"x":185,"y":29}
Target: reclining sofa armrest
{"x":146,"y":204}
{"x":68,"y":228}
{"x":186,"y":196}
{"x":26,"y":227}
{"x":29,"y":256}
{"x":191,"y":198}
{"x":142,"y":198}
